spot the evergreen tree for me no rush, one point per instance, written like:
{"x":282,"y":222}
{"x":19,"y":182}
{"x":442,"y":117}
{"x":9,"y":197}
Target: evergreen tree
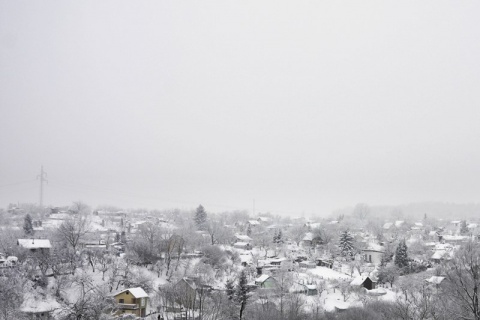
{"x":401,"y":256}
{"x":279,"y":236}
{"x":28,"y":225}
{"x":230,"y":289}
{"x":346,"y":244}
{"x":200,"y":217}
{"x":242,"y":293}
{"x":249,"y":230}
{"x":463,"y":227}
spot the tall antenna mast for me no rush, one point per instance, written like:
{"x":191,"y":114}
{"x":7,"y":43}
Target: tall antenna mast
{"x":43,"y":178}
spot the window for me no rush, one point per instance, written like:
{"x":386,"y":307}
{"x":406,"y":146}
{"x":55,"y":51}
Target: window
{"x":133,"y":300}
{"x":121,"y":301}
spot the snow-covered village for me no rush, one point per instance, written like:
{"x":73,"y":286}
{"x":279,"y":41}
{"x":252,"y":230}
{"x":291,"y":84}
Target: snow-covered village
{"x":239,"y":160}
{"x":73,"y":262}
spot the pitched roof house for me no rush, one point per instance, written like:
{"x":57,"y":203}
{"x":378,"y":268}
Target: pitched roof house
{"x":132,"y":301}
{"x":42,"y":245}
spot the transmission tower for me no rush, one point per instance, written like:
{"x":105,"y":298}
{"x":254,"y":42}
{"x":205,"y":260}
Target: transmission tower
{"x":43,"y":178}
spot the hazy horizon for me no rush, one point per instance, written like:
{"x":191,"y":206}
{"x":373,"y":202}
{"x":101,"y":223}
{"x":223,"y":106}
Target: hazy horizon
{"x":305,"y":107}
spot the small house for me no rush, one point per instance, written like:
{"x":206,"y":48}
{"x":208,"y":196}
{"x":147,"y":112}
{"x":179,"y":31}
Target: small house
{"x":38,"y":306}
{"x":132,"y":301}
{"x":373,"y":253}
{"x":266,"y":282}
{"x":365,"y":282}
{"x":35,"y":245}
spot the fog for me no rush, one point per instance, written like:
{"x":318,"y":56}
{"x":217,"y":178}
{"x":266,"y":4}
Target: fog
{"x":304,"y":106}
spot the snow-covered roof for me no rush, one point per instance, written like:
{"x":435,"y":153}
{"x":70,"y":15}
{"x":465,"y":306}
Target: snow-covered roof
{"x":240,"y":244}
{"x":262,"y":278}
{"x":253,"y":222}
{"x":454,"y":238}
{"x":308,"y":236}
{"x":374,"y":247}
{"x":136,"y":292}
{"x":315,"y":225}
{"x":358,"y":281}
{"x":35,"y":243}
{"x":419,"y":224}
{"x":472,"y":225}
{"x":35,"y":303}
{"x":247,"y":258}
{"x":243,"y":237}
{"x":435,"y":279}
{"x":398,"y":223}
{"x":387,"y":225}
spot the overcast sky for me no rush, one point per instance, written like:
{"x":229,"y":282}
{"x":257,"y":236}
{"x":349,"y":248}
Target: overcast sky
{"x":304,"y":106}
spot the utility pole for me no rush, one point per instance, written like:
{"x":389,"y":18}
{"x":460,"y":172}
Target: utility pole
{"x":43,"y":178}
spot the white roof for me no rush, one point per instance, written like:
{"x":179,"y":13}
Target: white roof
{"x":358,"y":281}
{"x":240,"y":244}
{"x":435,"y":280}
{"x":243,"y":237}
{"x":454,"y":238}
{"x":35,"y":304}
{"x":136,"y":292}
{"x":308,"y":236}
{"x":35,"y":243}
{"x":262,"y":278}
{"x":374,"y":247}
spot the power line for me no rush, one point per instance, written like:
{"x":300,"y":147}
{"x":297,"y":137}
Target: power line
{"x":16,"y":183}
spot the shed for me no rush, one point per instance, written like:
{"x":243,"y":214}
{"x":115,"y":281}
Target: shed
{"x":362,"y":281}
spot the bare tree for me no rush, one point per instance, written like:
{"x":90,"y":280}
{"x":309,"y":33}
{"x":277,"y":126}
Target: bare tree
{"x":361,"y":211}
{"x":73,"y":230}
{"x":463,"y":275}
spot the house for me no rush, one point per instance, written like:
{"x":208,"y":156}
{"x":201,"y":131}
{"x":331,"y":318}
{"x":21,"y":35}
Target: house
{"x":242,"y":245}
{"x":243,"y":238}
{"x":253,"y":223}
{"x":373,"y":253}
{"x":387,"y":225}
{"x":189,"y":292}
{"x":436,"y":280}
{"x":307,"y":264}
{"x":324,"y":262}
{"x":265,"y":281}
{"x":34,"y":245}
{"x":311,"y":240}
{"x":132,"y":301}
{"x":363,"y":281}
{"x":38,"y":306}
{"x":264,"y":220}
{"x":308,"y":289}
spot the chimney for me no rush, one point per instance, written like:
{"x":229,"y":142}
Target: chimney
{"x":259,"y":271}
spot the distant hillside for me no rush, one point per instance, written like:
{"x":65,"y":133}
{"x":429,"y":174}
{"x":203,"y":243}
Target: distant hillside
{"x":439,"y":210}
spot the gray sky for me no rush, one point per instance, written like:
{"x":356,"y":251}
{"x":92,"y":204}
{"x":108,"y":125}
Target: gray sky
{"x":305,"y":106}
